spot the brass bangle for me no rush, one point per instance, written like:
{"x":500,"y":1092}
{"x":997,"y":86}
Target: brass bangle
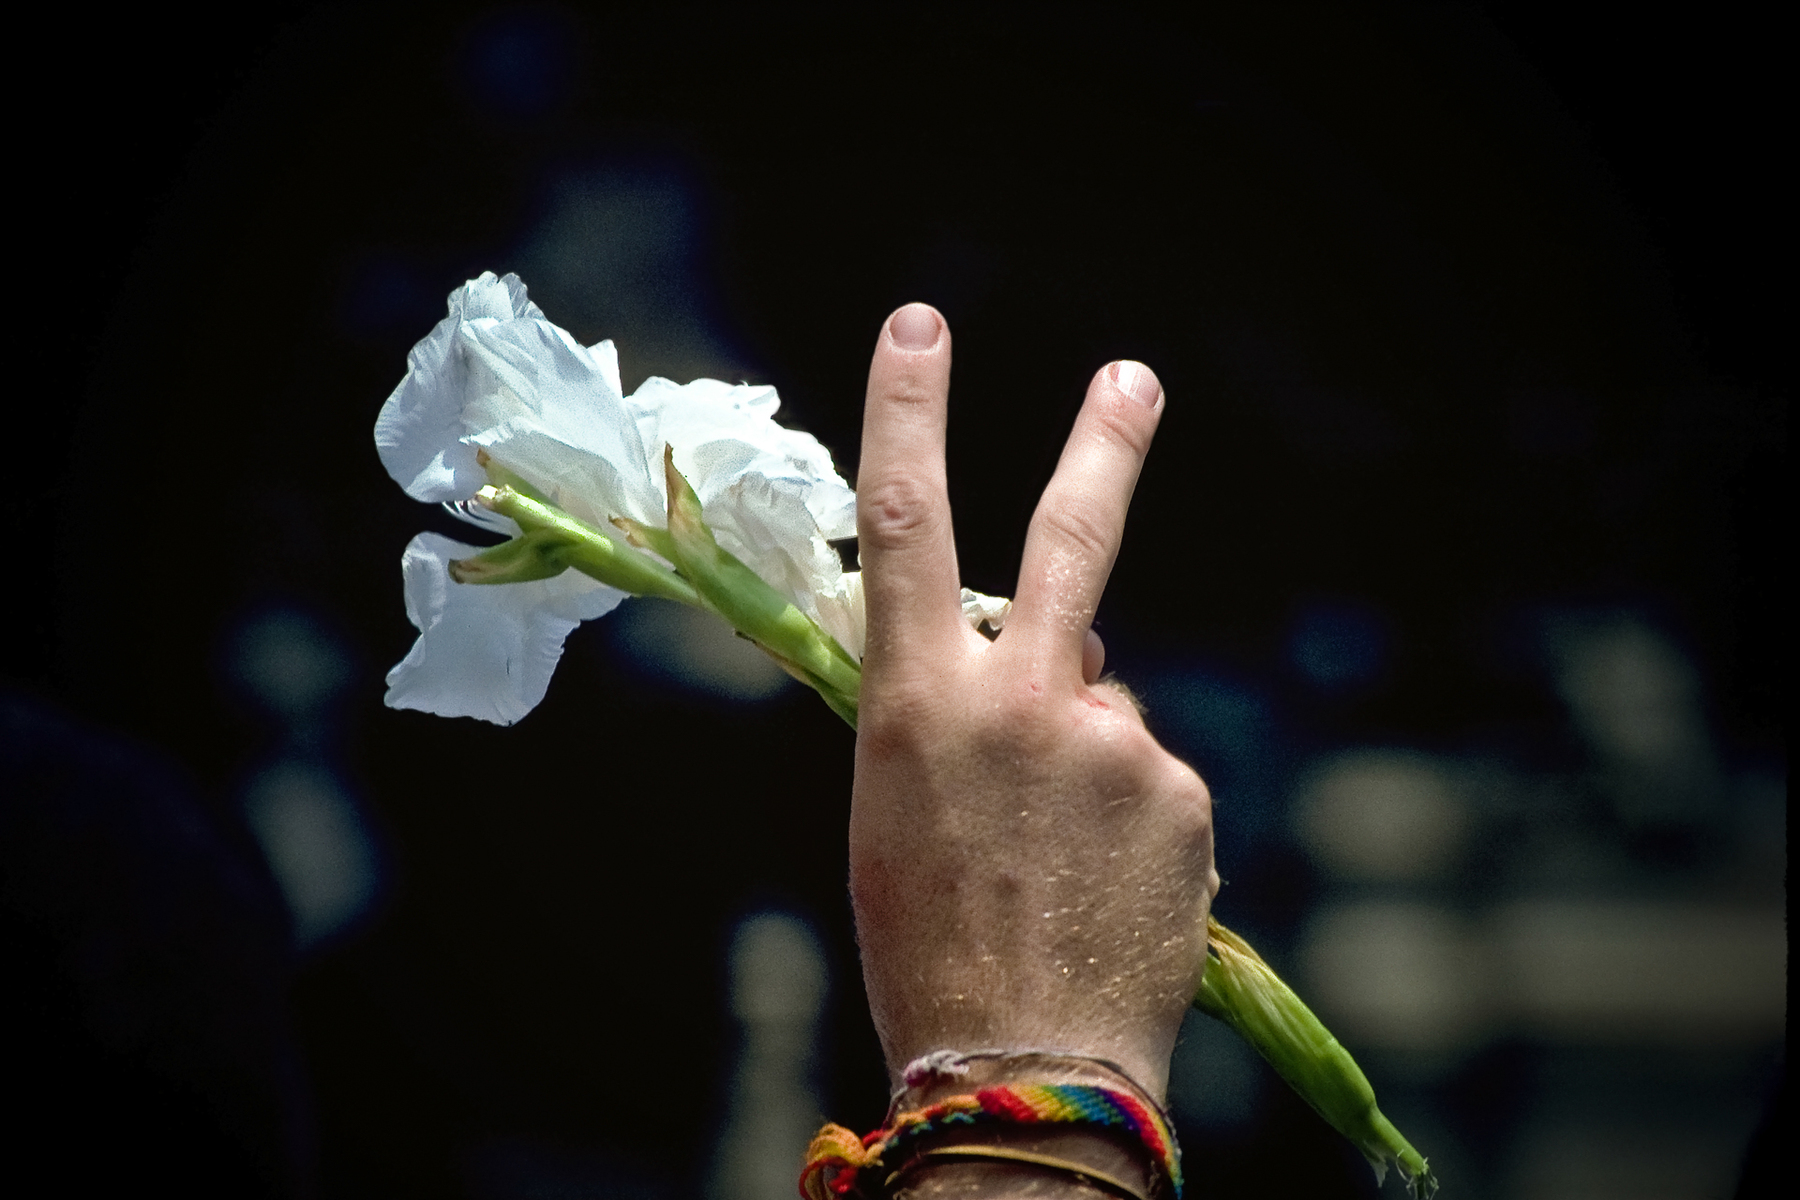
{"x":1006,"y":1154}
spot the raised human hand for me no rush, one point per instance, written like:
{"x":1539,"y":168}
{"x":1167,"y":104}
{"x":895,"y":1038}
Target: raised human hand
{"x":1029,"y":868}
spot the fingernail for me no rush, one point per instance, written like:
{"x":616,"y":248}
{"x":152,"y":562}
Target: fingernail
{"x":914,"y":327}
{"x":1137,"y":381}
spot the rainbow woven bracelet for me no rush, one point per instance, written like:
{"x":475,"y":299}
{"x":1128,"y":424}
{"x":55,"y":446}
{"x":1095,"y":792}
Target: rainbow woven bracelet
{"x":837,"y":1157}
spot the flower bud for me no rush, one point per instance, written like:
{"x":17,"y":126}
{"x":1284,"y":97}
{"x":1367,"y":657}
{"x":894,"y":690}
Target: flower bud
{"x":537,"y":554}
{"x":1240,"y":989}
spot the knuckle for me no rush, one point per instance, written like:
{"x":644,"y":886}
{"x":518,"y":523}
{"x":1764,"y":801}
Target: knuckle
{"x":1121,"y":699}
{"x":894,"y":511}
{"x":1016,"y":725}
{"x":882,"y":742}
{"x":1006,"y":727}
{"x":899,"y":727}
{"x":908,"y":390}
{"x":1078,"y":525}
{"x":1190,"y":793}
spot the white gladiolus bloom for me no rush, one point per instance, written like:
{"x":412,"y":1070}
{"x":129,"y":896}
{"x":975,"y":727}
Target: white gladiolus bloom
{"x":495,"y":376}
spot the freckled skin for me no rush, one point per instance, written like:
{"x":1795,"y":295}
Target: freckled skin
{"x":1029,"y":868}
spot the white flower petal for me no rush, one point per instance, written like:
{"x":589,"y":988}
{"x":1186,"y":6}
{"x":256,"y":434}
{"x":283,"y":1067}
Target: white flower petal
{"x":472,"y":513}
{"x":607,"y":355}
{"x":419,"y":432}
{"x":770,"y":493}
{"x":835,"y":511}
{"x":722,"y":431}
{"x":550,"y":410}
{"x":978,"y":607}
{"x":765,"y":522}
{"x":495,"y":374}
{"x":842,"y":613}
{"x":491,"y":299}
{"x":485,"y":651}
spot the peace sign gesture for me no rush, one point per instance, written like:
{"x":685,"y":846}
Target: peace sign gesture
{"x":1029,"y":868}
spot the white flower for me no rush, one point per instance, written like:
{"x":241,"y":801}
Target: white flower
{"x":496,"y":376}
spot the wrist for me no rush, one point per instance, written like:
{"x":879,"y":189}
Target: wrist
{"x":1115,"y":1159}
{"x":993,"y":1122}
{"x":939,"y":1074}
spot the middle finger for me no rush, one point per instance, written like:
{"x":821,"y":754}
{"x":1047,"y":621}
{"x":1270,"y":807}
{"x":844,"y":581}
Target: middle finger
{"x":1080,"y":521}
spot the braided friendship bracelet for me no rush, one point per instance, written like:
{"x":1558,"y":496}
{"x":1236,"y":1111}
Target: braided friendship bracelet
{"x":837,"y":1158}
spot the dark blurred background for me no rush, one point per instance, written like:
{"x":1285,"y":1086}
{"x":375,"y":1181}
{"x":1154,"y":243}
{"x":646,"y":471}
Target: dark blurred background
{"x":1454,"y":570}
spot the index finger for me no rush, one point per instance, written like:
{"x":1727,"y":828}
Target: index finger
{"x":910,"y":580}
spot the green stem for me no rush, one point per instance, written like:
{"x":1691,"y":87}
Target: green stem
{"x":753,"y":608}
{"x":1241,"y":990}
{"x":588,"y":550}
{"x":534,"y":554}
